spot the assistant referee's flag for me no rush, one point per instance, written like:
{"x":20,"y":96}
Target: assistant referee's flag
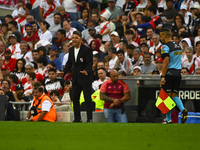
{"x":164,"y":102}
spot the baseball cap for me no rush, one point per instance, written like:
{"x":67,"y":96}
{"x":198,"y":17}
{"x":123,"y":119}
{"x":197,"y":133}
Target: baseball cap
{"x":4,"y":67}
{"x":19,"y":87}
{"x":184,"y":7}
{"x":111,"y":1}
{"x":55,"y":48}
{"x":7,"y":50}
{"x":136,"y":67}
{"x":159,"y":60}
{"x":92,"y":28}
{"x":114,"y":33}
{"x":13,"y":35}
{"x":196,"y":6}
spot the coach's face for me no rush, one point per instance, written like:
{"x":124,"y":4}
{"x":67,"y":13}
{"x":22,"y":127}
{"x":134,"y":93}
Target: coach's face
{"x":76,"y":40}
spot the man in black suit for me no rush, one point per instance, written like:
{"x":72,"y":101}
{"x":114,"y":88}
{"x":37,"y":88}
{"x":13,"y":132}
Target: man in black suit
{"x":81,"y":58}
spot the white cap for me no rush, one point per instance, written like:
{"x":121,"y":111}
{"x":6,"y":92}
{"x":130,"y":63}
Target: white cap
{"x":196,"y":6}
{"x":106,"y":14}
{"x":184,"y":7}
{"x":136,"y":67}
{"x":114,"y":33}
{"x":29,"y":64}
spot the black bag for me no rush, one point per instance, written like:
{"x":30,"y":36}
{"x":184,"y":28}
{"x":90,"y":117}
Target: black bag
{"x":34,"y":108}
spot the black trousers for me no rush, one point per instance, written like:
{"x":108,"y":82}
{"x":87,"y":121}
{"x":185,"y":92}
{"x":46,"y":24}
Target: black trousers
{"x":76,"y":91}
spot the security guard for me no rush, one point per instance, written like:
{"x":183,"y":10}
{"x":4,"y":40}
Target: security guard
{"x":42,"y":107}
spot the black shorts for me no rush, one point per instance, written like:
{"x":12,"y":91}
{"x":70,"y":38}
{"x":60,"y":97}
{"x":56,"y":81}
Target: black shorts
{"x":173,"y":81}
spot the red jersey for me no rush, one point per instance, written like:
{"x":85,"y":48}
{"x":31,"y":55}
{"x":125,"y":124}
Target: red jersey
{"x":116,"y":91}
{"x":11,"y":64}
{"x":34,"y":36}
{"x":13,"y":88}
{"x":39,"y":77}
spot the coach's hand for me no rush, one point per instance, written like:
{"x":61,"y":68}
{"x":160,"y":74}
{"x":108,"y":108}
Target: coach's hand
{"x":162,"y":81}
{"x":84,"y":72}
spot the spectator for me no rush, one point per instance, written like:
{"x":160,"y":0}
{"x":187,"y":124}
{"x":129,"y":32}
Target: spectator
{"x":95,"y":18}
{"x":116,"y":12}
{"x":178,"y":22}
{"x":197,"y":71}
{"x":129,"y":7}
{"x":35,"y":55}
{"x":9,"y":111}
{"x":66,"y":95}
{"x":71,"y":8}
{"x":150,"y":32}
{"x":137,"y":58}
{"x":197,"y":54}
{"x":95,"y":45}
{"x":148,"y":65}
{"x":20,"y":68}
{"x":191,"y":62}
{"x":2,"y":47}
{"x":65,"y":15}
{"x":170,"y":12}
{"x":14,"y":45}
{"x":185,"y":43}
{"x":29,"y":19}
{"x":136,"y":37}
{"x":61,"y":34}
{"x":24,"y":54}
{"x":106,"y":46}
{"x":45,"y":34}
{"x":66,"y":25}
{"x":4,"y":34}
{"x":176,"y":38}
{"x":5,"y":71}
{"x":123,"y":46}
{"x":112,"y":53}
{"x":53,"y":53}
{"x":8,"y":61}
{"x":99,"y":37}
{"x":94,"y":66}
{"x":28,"y":85}
{"x":83,"y":20}
{"x":185,"y":71}
{"x":189,"y":4}
{"x":130,"y":49}
{"x":64,"y":56}
{"x":55,"y":25}
{"x":137,"y":71}
{"x":129,"y":37}
{"x":12,"y":78}
{"x":54,"y":83}
{"x":102,"y":78}
{"x":42,"y":63}
{"x":104,"y":28}
{"x":156,"y":44}
{"x":47,"y":11}
{"x":115,"y":93}
{"x":5,"y":85}
{"x":195,"y":14}
{"x":29,"y":34}
{"x":187,"y":16}
{"x":159,"y":64}
{"x":42,"y":51}
{"x":12,"y":26}
{"x":123,"y":62}
{"x":85,"y":33}
{"x":9,"y":18}
{"x":54,"y":95}
{"x":92,"y":32}
{"x":43,"y":112}
{"x":35,"y":28}
{"x":115,"y":38}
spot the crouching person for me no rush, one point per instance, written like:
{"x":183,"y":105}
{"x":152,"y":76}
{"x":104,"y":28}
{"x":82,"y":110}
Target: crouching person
{"x":42,"y":108}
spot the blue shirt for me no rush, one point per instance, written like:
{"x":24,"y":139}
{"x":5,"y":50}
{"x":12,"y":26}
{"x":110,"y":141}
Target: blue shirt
{"x":57,"y":62}
{"x":61,"y":57}
{"x":174,"y":52}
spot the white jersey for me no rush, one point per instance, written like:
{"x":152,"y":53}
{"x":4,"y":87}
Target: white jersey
{"x":15,"y":49}
{"x":65,"y":59}
{"x":191,"y":65}
{"x":43,"y":72}
{"x":135,"y":44}
{"x":46,"y":36}
{"x":19,"y":20}
{"x":70,"y":6}
{"x":42,"y":43}
{"x":117,"y":46}
{"x":27,"y":56}
{"x":35,"y":3}
{"x":154,"y":48}
{"x":49,"y":10}
{"x":70,"y":33}
{"x":196,"y":55}
{"x":104,"y":27}
{"x":95,"y":84}
{"x":112,"y":63}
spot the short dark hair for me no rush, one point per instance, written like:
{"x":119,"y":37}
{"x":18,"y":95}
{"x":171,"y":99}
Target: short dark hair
{"x":113,"y":50}
{"x":175,"y":35}
{"x":6,"y":81}
{"x":150,"y":27}
{"x":32,"y":75}
{"x":55,"y":92}
{"x":47,"y":24}
{"x":9,"y":16}
{"x":20,"y":1}
{"x":184,"y":35}
{"x":67,"y":83}
{"x":35,"y":50}
{"x":125,"y":43}
{"x":12,"y":76}
{"x":52,"y":70}
{"x":146,"y":18}
{"x":101,"y":69}
{"x":68,"y":21}
{"x":128,"y":31}
{"x":152,"y":9}
{"x":62,"y":31}
{"x":120,"y":52}
{"x":53,"y":64}
{"x":131,"y":46}
{"x":134,"y":28}
{"x":185,"y":69}
{"x":169,"y":1}
{"x":35,"y":65}
{"x":39,"y":88}
{"x":146,"y":53}
{"x":13,"y":22}
{"x":42,"y":60}
{"x":143,"y":36}
{"x":98,"y":36}
{"x":29,"y":6}
{"x":58,"y":15}
{"x":78,"y":33}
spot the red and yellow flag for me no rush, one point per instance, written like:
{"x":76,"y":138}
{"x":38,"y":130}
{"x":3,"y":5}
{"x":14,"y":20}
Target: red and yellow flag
{"x":164,"y":102}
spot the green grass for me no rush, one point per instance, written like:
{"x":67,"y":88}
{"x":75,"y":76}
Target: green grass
{"x":98,"y":136}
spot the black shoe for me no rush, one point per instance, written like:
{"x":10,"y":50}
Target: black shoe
{"x":89,"y":121}
{"x":76,"y":121}
{"x":184,"y":115}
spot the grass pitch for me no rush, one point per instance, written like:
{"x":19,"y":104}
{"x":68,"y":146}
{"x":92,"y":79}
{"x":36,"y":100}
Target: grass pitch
{"x":98,"y":136}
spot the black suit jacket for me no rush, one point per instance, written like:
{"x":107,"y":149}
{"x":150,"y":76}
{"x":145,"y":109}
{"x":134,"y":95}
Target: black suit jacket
{"x":84,"y":62}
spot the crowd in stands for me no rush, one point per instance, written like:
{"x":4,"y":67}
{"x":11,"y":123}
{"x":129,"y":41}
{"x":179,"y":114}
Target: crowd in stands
{"x":123,"y":35}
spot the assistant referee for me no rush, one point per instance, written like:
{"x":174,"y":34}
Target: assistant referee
{"x":171,"y":54}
